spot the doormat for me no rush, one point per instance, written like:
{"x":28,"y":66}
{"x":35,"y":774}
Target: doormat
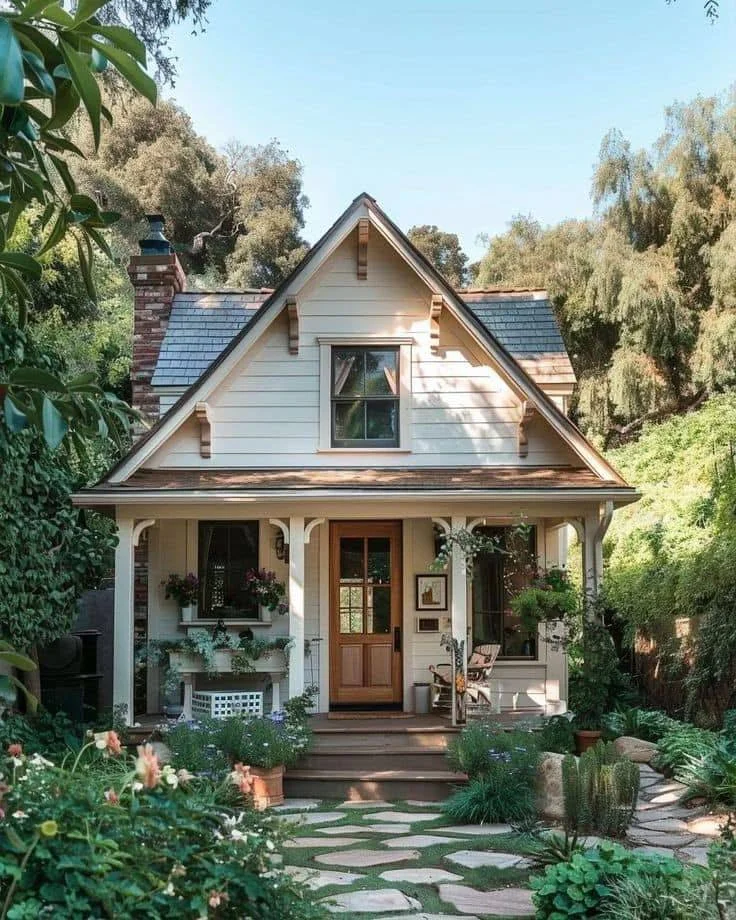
{"x":370,"y":715}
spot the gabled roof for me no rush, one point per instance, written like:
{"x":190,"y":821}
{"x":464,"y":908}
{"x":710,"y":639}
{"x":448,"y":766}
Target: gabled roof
{"x":364,"y":206}
{"x":202,"y":324}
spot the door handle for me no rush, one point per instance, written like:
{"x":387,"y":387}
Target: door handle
{"x":397,"y":638}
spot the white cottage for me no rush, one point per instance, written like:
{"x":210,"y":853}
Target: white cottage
{"x":329,"y":431}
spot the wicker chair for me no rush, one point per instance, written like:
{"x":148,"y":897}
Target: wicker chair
{"x":480,"y":666}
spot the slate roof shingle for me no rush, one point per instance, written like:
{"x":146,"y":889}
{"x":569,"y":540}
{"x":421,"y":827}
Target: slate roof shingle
{"x":202,"y":325}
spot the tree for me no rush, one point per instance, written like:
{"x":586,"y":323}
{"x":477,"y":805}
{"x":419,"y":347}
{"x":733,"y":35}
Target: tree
{"x":443,"y":251}
{"x":267,"y":214}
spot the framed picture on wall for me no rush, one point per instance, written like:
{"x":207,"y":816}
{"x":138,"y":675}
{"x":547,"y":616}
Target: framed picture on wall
{"x":431,"y":592}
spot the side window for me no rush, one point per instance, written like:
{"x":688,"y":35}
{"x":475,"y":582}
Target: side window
{"x":365,"y":397}
{"x":227,"y":550}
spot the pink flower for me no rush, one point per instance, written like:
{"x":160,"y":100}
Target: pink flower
{"x":15,"y":750}
{"x":147,"y":766}
{"x":109,"y":743}
{"x":242,"y":778}
{"x":216,"y":898}
{"x":111,"y":797}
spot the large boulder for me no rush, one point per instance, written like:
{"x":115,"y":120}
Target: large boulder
{"x":550,"y":796}
{"x":635,"y":749}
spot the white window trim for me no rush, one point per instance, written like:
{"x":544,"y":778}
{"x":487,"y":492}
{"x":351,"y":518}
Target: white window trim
{"x":404,"y":345}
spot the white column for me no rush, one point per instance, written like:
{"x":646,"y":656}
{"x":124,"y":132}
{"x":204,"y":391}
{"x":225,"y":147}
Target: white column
{"x":296,"y":605}
{"x":188,"y":680}
{"x":122,"y":675}
{"x":459,"y":602}
{"x":592,"y":554}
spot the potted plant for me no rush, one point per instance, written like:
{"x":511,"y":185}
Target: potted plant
{"x":266,"y":592}
{"x":592,"y":689}
{"x":268,"y":746}
{"x":550,"y":596}
{"x":185,"y":591}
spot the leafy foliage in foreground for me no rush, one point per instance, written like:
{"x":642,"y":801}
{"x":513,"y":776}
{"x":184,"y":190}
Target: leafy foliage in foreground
{"x":600,"y":790}
{"x":104,"y":837}
{"x":582,"y":886}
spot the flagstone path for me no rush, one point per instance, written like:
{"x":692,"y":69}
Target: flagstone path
{"x":403,"y":861}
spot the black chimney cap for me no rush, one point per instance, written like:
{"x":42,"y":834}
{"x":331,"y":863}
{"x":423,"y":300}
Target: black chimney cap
{"x":155,"y":243}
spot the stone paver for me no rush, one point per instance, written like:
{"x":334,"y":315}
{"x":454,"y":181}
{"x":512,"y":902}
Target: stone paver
{"x":297,"y":805}
{"x":659,"y":838}
{"x":366,"y":829}
{"x":418,"y":840}
{"x":377,"y":901}
{"x":358,"y":859}
{"x":321,"y":878}
{"x":475,"y":830}
{"x":317,"y":842}
{"x":666,"y":798}
{"x":697,"y":855}
{"x":406,"y":817}
{"x":418,"y":803}
{"x":706,"y":825}
{"x":424,"y":916}
{"x":420,"y":876}
{"x":475,"y":859}
{"x":320,"y":817}
{"x":377,"y":804}
{"x":664,"y":824}
{"x":502,"y":902}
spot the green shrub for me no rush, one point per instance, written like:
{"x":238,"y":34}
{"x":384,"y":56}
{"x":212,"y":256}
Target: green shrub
{"x":557,"y":735}
{"x":600,"y":790}
{"x":684,"y":741}
{"x":502,"y":767}
{"x":633,"y":722}
{"x":712,"y":775}
{"x":583,"y":886}
{"x":110,"y":837}
{"x":42,"y":733}
{"x":551,"y":848}
{"x":664,"y":894}
{"x":196,"y":746}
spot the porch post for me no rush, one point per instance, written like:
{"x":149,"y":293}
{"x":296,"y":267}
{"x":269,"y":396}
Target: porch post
{"x":296,"y":605}
{"x":595,"y":525}
{"x":122,"y":677}
{"x":459,"y":602}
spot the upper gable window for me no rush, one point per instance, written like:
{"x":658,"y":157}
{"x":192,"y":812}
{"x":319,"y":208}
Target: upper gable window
{"x":365,"y":397}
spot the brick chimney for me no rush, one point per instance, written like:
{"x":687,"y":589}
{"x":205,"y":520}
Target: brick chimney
{"x":157,"y":276}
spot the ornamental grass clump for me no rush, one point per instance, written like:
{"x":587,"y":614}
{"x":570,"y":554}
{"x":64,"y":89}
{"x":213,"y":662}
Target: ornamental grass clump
{"x":600,"y":790}
{"x":502,"y":769}
{"x":106,"y":834}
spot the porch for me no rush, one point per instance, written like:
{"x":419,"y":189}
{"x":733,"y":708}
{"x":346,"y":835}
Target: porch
{"x":393,"y":653}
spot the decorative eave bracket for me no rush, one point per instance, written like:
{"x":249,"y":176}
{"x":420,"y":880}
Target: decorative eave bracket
{"x":527,"y":414}
{"x":363,"y":231}
{"x":202,"y":414}
{"x":435,"y":310}
{"x":292,"y":309}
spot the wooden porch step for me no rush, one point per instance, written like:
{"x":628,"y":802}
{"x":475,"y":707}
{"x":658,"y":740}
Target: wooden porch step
{"x":371,"y":785}
{"x":376,"y":759}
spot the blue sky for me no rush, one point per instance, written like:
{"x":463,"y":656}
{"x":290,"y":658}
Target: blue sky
{"x":457,"y":113}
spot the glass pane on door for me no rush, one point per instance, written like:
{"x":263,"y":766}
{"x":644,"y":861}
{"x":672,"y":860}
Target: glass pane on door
{"x":351,"y":559}
{"x":378,"y":614}
{"x":379,"y":560}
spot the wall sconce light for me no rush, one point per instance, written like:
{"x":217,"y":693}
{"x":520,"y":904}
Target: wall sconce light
{"x":281,"y":547}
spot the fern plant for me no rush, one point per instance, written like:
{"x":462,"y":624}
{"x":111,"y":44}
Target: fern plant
{"x":600,"y":791}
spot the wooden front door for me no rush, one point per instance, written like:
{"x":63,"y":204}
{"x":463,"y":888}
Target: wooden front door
{"x":365,"y":613}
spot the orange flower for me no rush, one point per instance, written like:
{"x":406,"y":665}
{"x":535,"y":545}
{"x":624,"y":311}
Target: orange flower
{"x":147,"y":766}
{"x":15,"y":750}
{"x":109,"y":743}
{"x":242,"y":778}
{"x":111,"y":797}
{"x":460,"y":682}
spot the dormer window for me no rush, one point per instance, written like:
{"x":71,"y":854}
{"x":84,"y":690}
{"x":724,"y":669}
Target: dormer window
{"x":365,"y":397}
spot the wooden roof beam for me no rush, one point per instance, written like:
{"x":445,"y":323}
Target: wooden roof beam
{"x":202,"y":414}
{"x":292,"y":308}
{"x":435,"y":310}
{"x":527,"y":414}
{"x":363,"y":231}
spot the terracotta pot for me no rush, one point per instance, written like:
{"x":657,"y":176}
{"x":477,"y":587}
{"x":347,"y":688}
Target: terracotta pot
{"x":268,"y":787}
{"x":585,"y":740}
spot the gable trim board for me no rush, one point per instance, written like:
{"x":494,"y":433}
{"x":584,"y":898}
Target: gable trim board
{"x":361,"y":208}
